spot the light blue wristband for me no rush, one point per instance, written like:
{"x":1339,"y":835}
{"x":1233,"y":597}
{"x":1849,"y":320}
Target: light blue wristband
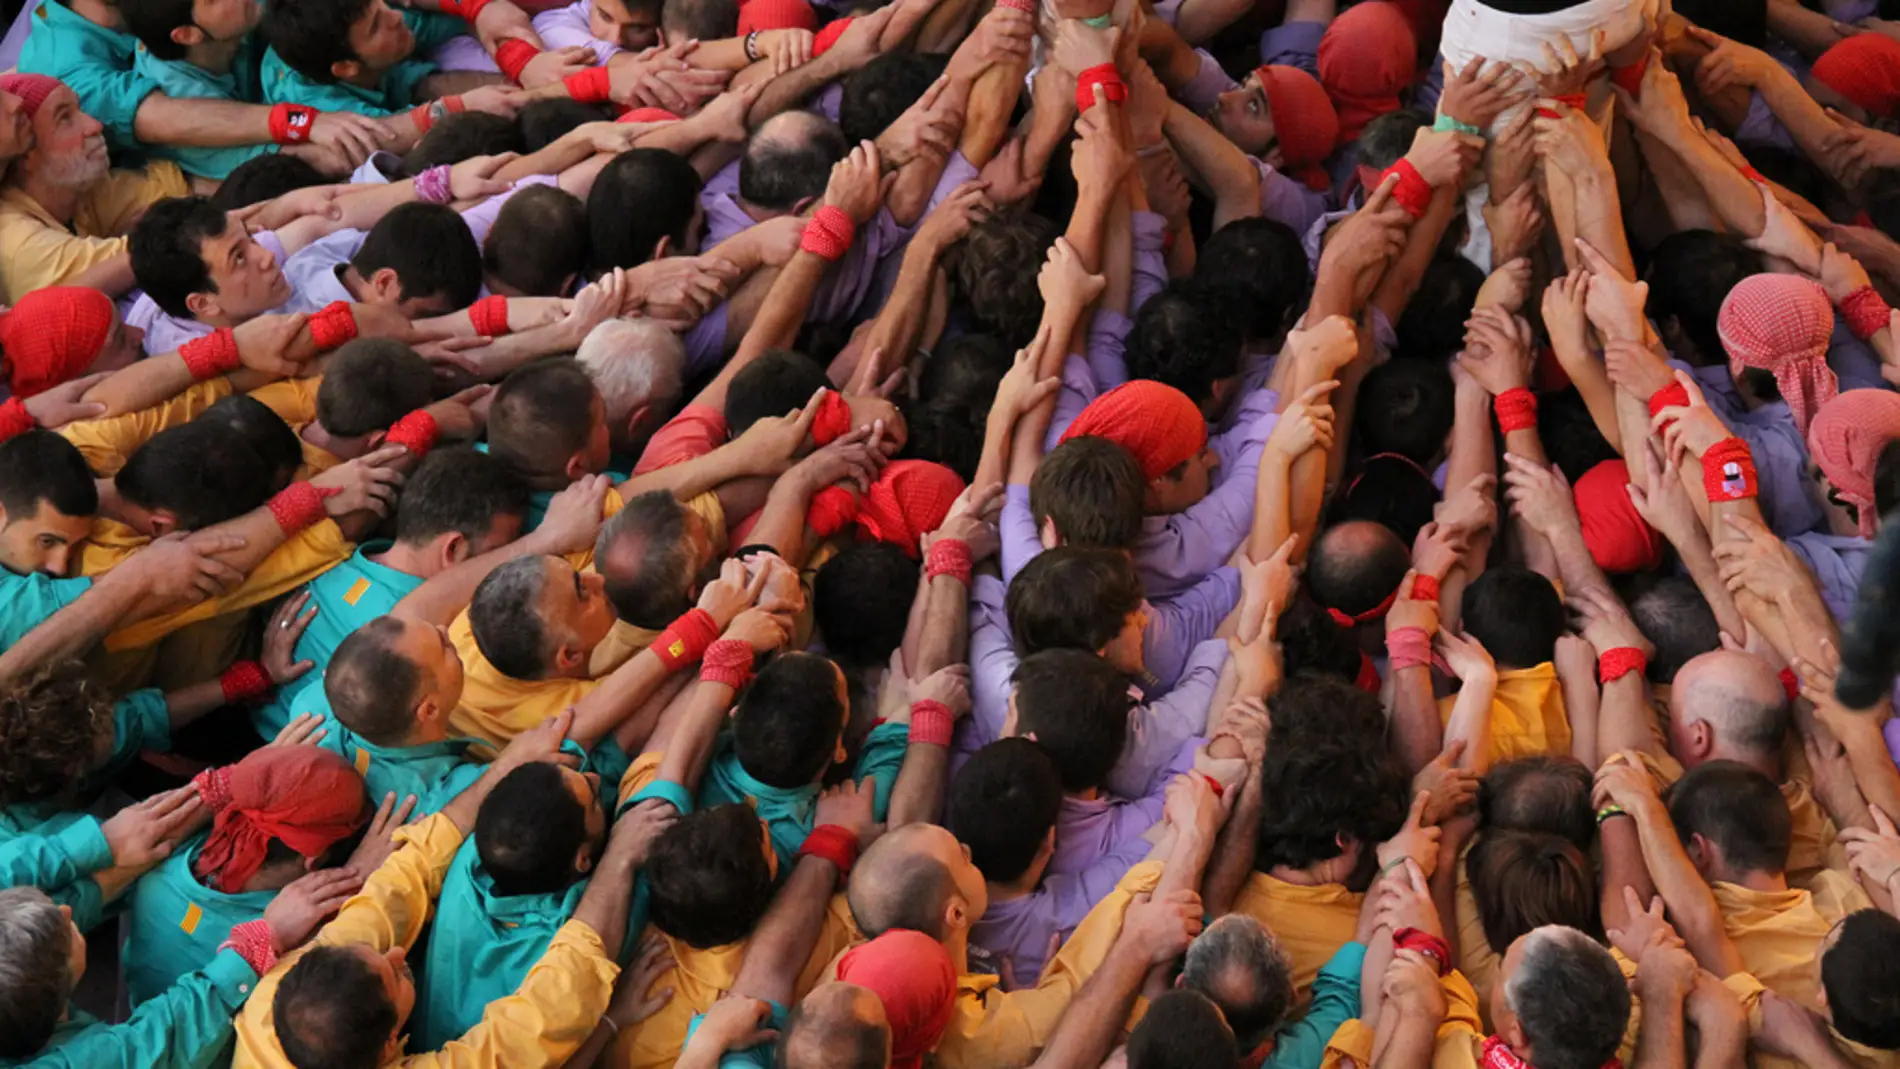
{"x":1446,"y":124}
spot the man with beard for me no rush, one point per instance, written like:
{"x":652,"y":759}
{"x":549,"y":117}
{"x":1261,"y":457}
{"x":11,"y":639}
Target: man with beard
{"x":64,"y":213}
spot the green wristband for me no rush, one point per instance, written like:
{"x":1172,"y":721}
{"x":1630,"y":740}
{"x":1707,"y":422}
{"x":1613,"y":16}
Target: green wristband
{"x":1446,"y":124}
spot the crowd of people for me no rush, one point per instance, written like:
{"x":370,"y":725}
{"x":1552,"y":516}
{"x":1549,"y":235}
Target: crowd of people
{"x":1190,"y":534}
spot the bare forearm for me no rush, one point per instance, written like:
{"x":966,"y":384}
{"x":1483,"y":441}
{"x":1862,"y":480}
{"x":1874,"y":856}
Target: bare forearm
{"x":1416,"y":730}
{"x":1088,"y":1029}
{"x":786,"y":934}
{"x":1692,"y":905}
{"x":689,"y":747}
{"x":1624,"y":721}
{"x":1232,"y":864}
{"x":1222,"y":168}
{"x":986,"y":121}
{"x":1401,"y":280}
{"x":163,"y":120}
{"x":74,"y":629}
{"x":603,"y":906}
{"x":1660,"y":1041}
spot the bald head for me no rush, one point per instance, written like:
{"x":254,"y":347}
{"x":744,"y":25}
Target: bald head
{"x":904,"y":881}
{"x":1737,"y":695}
{"x":789,"y":160}
{"x":837,"y":1026}
{"x":1354,"y":566}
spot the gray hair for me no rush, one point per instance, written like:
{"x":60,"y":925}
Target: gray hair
{"x":1570,"y":998}
{"x":1238,"y":965}
{"x":35,"y":979}
{"x":633,"y":362}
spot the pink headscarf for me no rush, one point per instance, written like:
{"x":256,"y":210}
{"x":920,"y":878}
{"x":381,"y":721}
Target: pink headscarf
{"x":1781,"y":324}
{"x":1845,"y":441}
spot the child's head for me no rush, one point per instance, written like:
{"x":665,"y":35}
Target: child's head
{"x":1260,"y":266}
{"x":861,"y":602}
{"x":644,"y":206}
{"x":330,"y":41}
{"x":1166,"y":434}
{"x":420,"y":259}
{"x":1184,"y":337}
{"x":1075,"y":705}
{"x":1003,"y":805}
{"x":538,"y":245}
{"x":1516,"y":614}
{"x":1079,"y":599}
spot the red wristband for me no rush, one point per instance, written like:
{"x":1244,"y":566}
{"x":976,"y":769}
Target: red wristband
{"x":931,"y":721}
{"x":1516,"y":410}
{"x":1790,"y":684}
{"x":1408,"y":647}
{"x":214,"y":787}
{"x":727,"y":661}
{"x":1749,"y":172}
{"x":466,"y":10}
{"x":1866,"y":313}
{"x":423,"y":116}
{"x":644,"y":115}
{"x":415,"y":432}
{"x":299,"y":505}
{"x":831,"y":510}
{"x":1575,"y":101}
{"x":513,"y":56}
{"x":825,"y":38}
{"x":1614,"y":664}
{"x":949,"y":556}
{"x":829,"y":233}
{"x":243,"y":681}
{"x":1630,"y":78}
{"x":590,"y":86}
{"x":290,"y":124}
{"x":1423,"y":942}
{"x":252,"y":942}
{"x":1673,"y":395}
{"x":835,"y":844}
{"x":489,"y":316}
{"x":832,"y":420}
{"x":686,"y":639}
{"x":1413,"y":193}
{"x":332,"y":325}
{"x":1728,"y":471}
{"x":212,"y":355}
{"x":15,"y":420}
{"x":1105,"y":75}
{"x":1424,"y":588}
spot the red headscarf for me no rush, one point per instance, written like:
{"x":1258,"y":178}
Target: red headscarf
{"x":1617,"y":535}
{"x":911,"y":974}
{"x":304,"y":797}
{"x":1303,"y":120}
{"x":1156,"y":423}
{"x":32,"y":89}
{"x":776,"y":15}
{"x":1864,"y":68}
{"x":1367,"y":57}
{"x":1846,"y":439}
{"x":1781,"y":324}
{"x":909,"y":500}
{"x":52,"y":335}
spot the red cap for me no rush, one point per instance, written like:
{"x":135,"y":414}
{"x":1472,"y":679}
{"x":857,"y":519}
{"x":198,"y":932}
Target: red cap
{"x":1304,"y":120}
{"x":1618,"y":537}
{"x":1846,"y":440}
{"x":53,"y":335}
{"x":307,"y":798}
{"x":909,"y":500}
{"x":32,"y":89}
{"x":1864,"y":68}
{"x":1366,"y":59}
{"x":912,"y":975}
{"x":776,"y":15}
{"x":1156,"y":423}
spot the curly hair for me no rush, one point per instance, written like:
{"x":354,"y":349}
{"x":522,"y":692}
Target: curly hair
{"x":993,"y":275}
{"x":51,"y":724}
{"x":1322,"y":783}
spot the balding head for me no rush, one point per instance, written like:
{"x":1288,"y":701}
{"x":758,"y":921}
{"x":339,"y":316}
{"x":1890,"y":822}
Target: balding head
{"x":1726,"y":703}
{"x":837,"y":1026}
{"x":788,"y":161}
{"x":1355,"y":566}
{"x":917,"y":877}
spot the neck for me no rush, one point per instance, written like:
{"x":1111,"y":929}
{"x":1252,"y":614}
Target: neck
{"x":114,"y":507}
{"x":758,"y":214}
{"x":353,"y":282}
{"x":407,"y":559}
{"x":339,"y":447}
{"x":364,"y":78}
{"x":1760,"y":881}
{"x":956,"y":943}
{"x":1767,"y":764}
{"x":60,"y":202}
{"x":214,"y":56}
{"x":1315,"y":876}
{"x":97,"y":12}
{"x":1010,"y":890}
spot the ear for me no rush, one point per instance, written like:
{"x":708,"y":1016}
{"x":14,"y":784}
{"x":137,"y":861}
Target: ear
{"x":1009,"y":718}
{"x":1513,"y":1036}
{"x":663,"y":247}
{"x":201,"y":305}
{"x":584,"y":859}
{"x":163,"y":522}
{"x":576,"y":468}
{"x":452,"y":548}
{"x":187,"y":36}
{"x":427,"y":711}
{"x":345,"y":69}
{"x":373,"y":440}
{"x":386,"y":284}
{"x":1051,"y":538}
{"x":637,"y":419}
{"x":956,"y":914}
{"x":566,"y":657}
{"x":802,"y":203}
{"x":568,"y":284}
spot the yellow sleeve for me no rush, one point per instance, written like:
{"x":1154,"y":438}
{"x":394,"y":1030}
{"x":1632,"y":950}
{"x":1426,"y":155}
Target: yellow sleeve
{"x":34,"y":255}
{"x":108,"y":443}
{"x":314,"y":550}
{"x":115,"y":203}
{"x":1352,"y":1041}
{"x":294,"y":400}
{"x":390,"y":910}
{"x":548,"y":1017}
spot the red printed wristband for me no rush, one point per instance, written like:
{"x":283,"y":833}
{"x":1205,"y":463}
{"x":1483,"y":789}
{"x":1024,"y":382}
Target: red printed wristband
{"x":1728,"y":471}
{"x":290,"y":124}
{"x":1516,"y":410}
{"x":489,"y":316}
{"x":951,"y":557}
{"x":15,"y":420}
{"x":212,"y":355}
{"x":513,"y":56}
{"x":1422,"y":942}
{"x":243,"y":681}
{"x":727,"y":661}
{"x":333,"y":325}
{"x":687,"y":638}
{"x":299,"y":505}
{"x":1105,"y":75}
{"x":1614,"y":664}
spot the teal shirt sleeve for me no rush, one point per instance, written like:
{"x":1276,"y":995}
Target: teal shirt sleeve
{"x":882,"y":756}
{"x":1302,"y":1044}
{"x":285,"y":86}
{"x":759,"y":1057}
{"x":188,"y":1027}
{"x":27,"y":600}
{"x":48,"y":861}
{"x":432,"y":28}
{"x":95,"y":63}
{"x":175,"y":81}
{"x":140,"y":721}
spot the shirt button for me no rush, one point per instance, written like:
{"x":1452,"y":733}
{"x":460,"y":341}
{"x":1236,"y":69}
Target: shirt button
{"x":244,"y":989}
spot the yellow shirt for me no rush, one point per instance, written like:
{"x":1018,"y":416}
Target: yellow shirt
{"x":295,"y":401}
{"x":1812,"y":847}
{"x":626,"y":639}
{"x":37,"y":250}
{"x":1779,"y":933}
{"x":497,"y":707}
{"x":1527,"y":714}
{"x":1460,"y":1035}
{"x":1310,"y":923}
{"x":540,"y":1026}
{"x":108,"y":443}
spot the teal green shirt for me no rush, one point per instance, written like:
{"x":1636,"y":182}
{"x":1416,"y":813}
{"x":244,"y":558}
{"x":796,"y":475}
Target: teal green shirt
{"x":759,"y":1057}
{"x":787,"y":812}
{"x":27,"y":600}
{"x":188,"y":1027}
{"x":178,"y":923}
{"x":96,"y":64}
{"x":1335,"y":1000}
{"x":395,"y":92}
{"x":619,"y":469}
{"x":61,"y":863}
{"x":183,"y":80}
{"x":140,"y":722}
{"x":346,"y":597}
{"x":435,"y":772}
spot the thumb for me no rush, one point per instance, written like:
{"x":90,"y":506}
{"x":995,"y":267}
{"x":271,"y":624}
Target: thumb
{"x":1417,"y":814}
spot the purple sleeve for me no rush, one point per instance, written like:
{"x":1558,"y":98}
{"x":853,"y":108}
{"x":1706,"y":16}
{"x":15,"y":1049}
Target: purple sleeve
{"x":1781,"y":465}
{"x":1288,"y":200}
{"x":956,"y":172}
{"x":1078,"y":389}
{"x":1760,"y":129}
{"x":1101,"y":368}
{"x":992,"y":662}
{"x":1854,"y":361}
{"x":1017,"y":532}
{"x":706,"y":341}
{"x":1159,"y":730}
{"x":1201,"y":92}
{"x":1059,"y":905}
{"x":1177,"y":626}
{"x":566,"y":27}
{"x":828,"y":101}
{"x":848,"y":282}
{"x":1425,"y":97}
{"x":1175,"y":552}
{"x":1151,"y":264}
{"x":1293,"y":44}
{"x":481,"y":218}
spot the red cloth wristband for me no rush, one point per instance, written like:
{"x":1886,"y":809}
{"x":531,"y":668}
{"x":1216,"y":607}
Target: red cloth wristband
{"x":489,"y":316}
{"x":831,"y":510}
{"x":1630,"y":78}
{"x":415,"y":432}
{"x":212,"y":355}
{"x":214,"y":787}
{"x":590,"y":86}
{"x":686,"y":639}
{"x":299,"y":505}
{"x":1423,"y":942}
{"x":423,"y":117}
{"x":513,"y":56}
{"x":464,"y":9}
{"x":1750,"y":173}
{"x":1728,"y":471}
{"x":1790,"y":684}
{"x":1027,"y":7}
{"x":1105,"y":75}
{"x":832,"y":420}
{"x":15,"y":420}
{"x":1673,"y":395}
{"x":290,"y":124}
{"x":949,"y":556}
{"x":727,"y":661}
{"x":1866,"y":313}
{"x":252,"y":941}
{"x":1413,"y":193}
{"x":1424,"y":588}
{"x":1516,"y":410}
{"x":1575,"y":101}
{"x":1614,"y":664}
{"x":647,"y":115}
{"x":1408,"y":647}
{"x":931,"y":722}
{"x":332,"y":325}
{"x":835,"y":844}
{"x":829,"y":234}
{"x":243,"y":681}
{"x":825,"y":38}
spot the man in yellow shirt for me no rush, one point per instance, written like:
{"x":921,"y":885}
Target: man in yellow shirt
{"x":64,"y":212}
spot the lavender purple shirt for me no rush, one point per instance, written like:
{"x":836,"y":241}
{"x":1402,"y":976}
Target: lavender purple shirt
{"x":1017,"y":930}
{"x":1781,"y":457}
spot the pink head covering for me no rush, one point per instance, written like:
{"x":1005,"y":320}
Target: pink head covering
{"x":32,"y":89}
{"x":1845,"y":441}
{"x":912,"y":975}
{"x":1367,"y":57}
{"x":1781,"y":325}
